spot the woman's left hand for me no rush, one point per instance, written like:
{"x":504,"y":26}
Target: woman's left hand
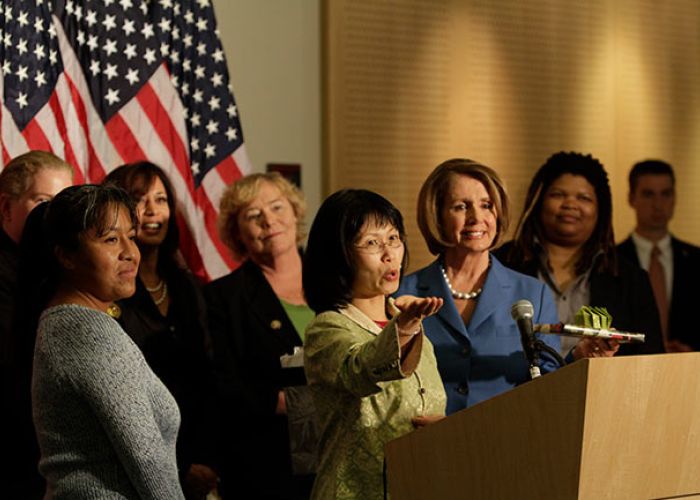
{"x":595,"y":348}
{"x":414,"y":309}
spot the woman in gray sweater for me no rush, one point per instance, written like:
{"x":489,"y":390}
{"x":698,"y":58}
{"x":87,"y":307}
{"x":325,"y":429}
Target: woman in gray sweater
{"x":105,"y":423}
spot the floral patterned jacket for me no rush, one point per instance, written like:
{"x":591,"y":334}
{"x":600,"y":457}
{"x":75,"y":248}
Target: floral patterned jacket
{"x":365,"y":396}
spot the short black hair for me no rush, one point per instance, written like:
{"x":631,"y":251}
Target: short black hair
{"x":136,"y":179}
{"x":650,"y":167}
{"x":329,"y":268}
{"x":530,"y":227}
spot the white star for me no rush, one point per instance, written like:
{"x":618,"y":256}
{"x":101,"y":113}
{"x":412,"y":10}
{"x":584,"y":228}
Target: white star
{"x":21,"y":100}
{"x":126,"y":4}
{"x":195,"y":167}
{"x":112,"y":96}
{"x":39,"y":51}
{"x":147,"y":30}
{"x":199,"y":71}
{"x":217,"y":80}
{"x":176,"y":33}
{"x":214,"y":103}
{"x":109,"y":22}
{"x":187,"y":40}
{"x":111,"y":71}
{"x":132,"y":75}
{"x":94,"y":67}
{"x":52,"y":31}
{"x":81,"y":37}
{"x":231,"y":110}
{"x":8,"y":13}
{"x":201,"y":49}
{"x":110,"y":47}
{"x":166,"y":4}
{"x":231,"y":134}
{"x":7,"y":39}
{"x":53,"y":56}
{"x":218,"y":55}
{"x":22,"y":18}
{"x":195,"y":120}
{"x":164,"y":24}
{"x":150,"y":56}
{"x":176,"y":9}
{"x":130,"y":51}
{"x":174,"y":56}
{"x":22,"y":46}
{"x":128,"y":27}
{"x":201,"y":24}
{"x":210,"y":150}
{"x":174,"y":80}
{"x":92,"y":42}
{"x":164,"y":49}
{"x":78,"y":12}
{"x":212,"y":127}
{"x":40,"y":79}
{"x":203,"y":4}
{"x":144,"y":8}
{"x":185,"y":89}
{"x":187,"y":65}
{"x":69,"y":7}
{"x":22,"y":73}
{"x":108,"y":2}
{"x":189,"y":17}
{"x":91,"y":18}
{"x":194,"y":144}
{"x":38,"y":25}
{"x":197,"y":96}
{"x":6,"y":67}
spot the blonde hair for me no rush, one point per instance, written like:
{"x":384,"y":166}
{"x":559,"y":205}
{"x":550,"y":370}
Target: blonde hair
{"x":241,"y":193}
{"x":17,"y":176}
{"x":432,"y":197}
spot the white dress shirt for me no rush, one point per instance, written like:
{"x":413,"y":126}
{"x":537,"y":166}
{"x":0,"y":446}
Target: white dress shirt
{"x":644,"y":247}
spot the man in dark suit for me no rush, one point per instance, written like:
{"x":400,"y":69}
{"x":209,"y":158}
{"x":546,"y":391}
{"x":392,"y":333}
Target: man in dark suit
{"x":674,"y":263}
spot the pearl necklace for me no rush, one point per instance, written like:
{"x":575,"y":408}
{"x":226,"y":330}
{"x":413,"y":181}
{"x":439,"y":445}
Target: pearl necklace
{"x":155,"y":288}
{"x":455,"y":293}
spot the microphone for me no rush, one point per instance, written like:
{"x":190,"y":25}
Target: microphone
{"x":582,"y":331}
{"x":522,"y":312}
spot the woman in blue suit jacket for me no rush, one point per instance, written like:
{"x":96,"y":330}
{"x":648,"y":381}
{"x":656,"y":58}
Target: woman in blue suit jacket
{"x":462,"y":212}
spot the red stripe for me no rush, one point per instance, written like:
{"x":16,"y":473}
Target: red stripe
{"x":35,"y":137}
{"x":189,"y":250}
{"x":228,"y":170}
{"x":162,"y":123}
{"x":95,"y":169}
{"x":123,"y":140}
{"x":5,"y":155}
{"x":210,"y":216}
{"x":68,"y":153}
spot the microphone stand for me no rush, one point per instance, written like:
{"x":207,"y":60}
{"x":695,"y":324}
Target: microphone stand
{"x":540,"y":346}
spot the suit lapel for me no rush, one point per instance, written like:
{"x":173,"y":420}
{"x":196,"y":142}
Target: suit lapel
{"x":491,"y":297}
{"x":432,"y":284}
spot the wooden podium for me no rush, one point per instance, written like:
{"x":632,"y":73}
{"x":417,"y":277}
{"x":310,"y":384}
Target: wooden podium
{"x":617,"y":428}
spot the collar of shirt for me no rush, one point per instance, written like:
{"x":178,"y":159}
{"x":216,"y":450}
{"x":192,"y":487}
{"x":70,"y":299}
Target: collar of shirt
{"x":643,"y":247}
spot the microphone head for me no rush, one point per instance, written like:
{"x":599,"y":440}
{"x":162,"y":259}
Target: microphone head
{"x":522,"y":309}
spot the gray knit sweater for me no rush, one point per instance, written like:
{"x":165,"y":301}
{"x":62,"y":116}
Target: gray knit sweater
{"x":106,"y":424}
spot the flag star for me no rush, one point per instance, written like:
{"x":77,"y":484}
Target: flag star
{"x":144,"y":8}
{"x":128,"y":27}
{"x":22,"y":18}
{"x":6,"y":67}
{"x":203,"y":4}
{"x":214,"y":103}
{"x":210,"y":150}
{"x":40,"y":79}
{"x":175,"y":56}
{"x":176,"y":9}
{"x":111,"y":71}
{"x":150,"y":56}
{"x":132,"y":75}
{"x":108,"y":2}
{"x":69,"y":7}
{"x":164,"y":49}
{"x":185,"y":89}
{"x":187,"y":40}
{"x":147,"y":30}
{"x":81,"y":37}
{"x":53,"y":56}
{"x":22,"y":73}
{"x":109,"y":22}
{"x":38,"y":25}
{"x":78,"y":12}
{"x":112,"y":96}
{"x":22,"y":46}
{"x":164,"y":24}
{"x":7,"y":39}
{"x":126,"y":4}
{"x":195,"y":168}
{"x":130,"y":51}
{"x":21,"y":100}
{"x":94,"y":67}
{"x":8,"y":13}
{"x":197,"y":96}
{"x":201,"y":49}
{"x":199,"y":71}
{"x":231,"y":110}
{"x":201,"y":24}
{"x":166,"y":4}
{"x":217,"y":79}
{"x":194,"y":144}
{"x":218,"y":55}
{"x":52,"y":31}
{"x":39,"y":51}
{"x":176,"y":33}
{"x":92,"y":42}
{"x":195,"y":120}
{"x":187,"y":65}
{"x":174,"y":80}
{"x":110,"y":47}
{"x":189,"y":17}
{"x":185,"y":112}
{"x":91,"y":18}
{"x":231,"y":134}
{"x":212,"y":127}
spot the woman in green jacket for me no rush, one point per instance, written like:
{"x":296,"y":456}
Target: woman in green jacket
{"x":372,"y":370}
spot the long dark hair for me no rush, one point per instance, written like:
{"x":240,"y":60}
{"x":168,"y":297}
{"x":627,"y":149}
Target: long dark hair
{"x":530,"y":227}
{"x":136,"y":179}
{"x":329,"y":267}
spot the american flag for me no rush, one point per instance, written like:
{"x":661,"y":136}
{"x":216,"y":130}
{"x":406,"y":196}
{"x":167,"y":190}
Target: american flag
{"x":106,"y":82}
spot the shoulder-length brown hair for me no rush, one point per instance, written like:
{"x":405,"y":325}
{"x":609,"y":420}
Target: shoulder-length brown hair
{"x":432,"y":198}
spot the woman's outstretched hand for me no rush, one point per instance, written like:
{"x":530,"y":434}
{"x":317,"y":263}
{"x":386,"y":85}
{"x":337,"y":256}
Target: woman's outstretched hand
{"x":413,"y":310}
